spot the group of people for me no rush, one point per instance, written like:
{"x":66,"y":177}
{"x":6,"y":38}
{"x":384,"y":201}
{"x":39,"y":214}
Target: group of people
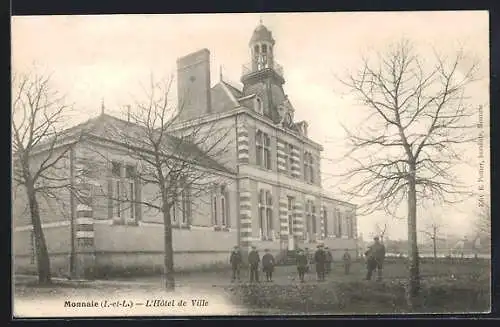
{"x":322,"y":259}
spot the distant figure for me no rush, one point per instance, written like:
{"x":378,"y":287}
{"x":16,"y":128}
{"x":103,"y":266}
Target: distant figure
{"x":302,"y":264}
{"x":308,"y":256}
{"x":236,"y":260}
{"x":375,"y":259}
{"x":319,"y":259}
{"x":253,"y":262}
{"x":328,"y":260}
{"x":347,"y":261}
{"x":268,"y":265}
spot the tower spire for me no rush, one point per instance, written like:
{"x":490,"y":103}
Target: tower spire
{"x":220,"y":73}
{"x":260,"y":20}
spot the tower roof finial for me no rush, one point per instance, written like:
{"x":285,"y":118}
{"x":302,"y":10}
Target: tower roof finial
{"x":220,"y":73}
{"x":260,"y":20}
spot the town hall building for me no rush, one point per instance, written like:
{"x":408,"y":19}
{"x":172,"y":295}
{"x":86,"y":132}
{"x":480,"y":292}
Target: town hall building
{"x":269,"y":192}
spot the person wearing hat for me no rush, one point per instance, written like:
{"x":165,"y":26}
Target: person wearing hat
{"x":328,"y":260}
{"x":320,"y":259}
{"x":268,"y":265}
{"x":236,"y":259}
{"x":302,"y":263}
{"x":375,"y":256}
{"x":253,"y":262}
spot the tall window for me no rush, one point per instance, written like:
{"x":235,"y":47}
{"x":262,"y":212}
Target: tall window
{"x":214,"y":210}
{"x":265,"y":214}
{"x":339,"y":223}
{"x":259,"y":147}
{"x":289,"y":150}
{"x":291,"y":205}
{"x":223,"y":212}
{"x":308,"y":167}
{"x":263,"y":149}
{"x":325,"y":222}
{"x":267,"y":151}
{"x":130,"y":175}
{"x":311,"y":219}
{"x":117,"y":197}
{"x":116,"y":188}
{"x":350,"y":226}
{"x":186,"y":205}
{"x":220,"y":206}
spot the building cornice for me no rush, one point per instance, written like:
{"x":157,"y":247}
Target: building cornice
{"x":205,"y":119}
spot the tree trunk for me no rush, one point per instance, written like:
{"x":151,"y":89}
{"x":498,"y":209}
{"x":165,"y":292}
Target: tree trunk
{"x":169,"y":251}
{"x":42,"y":253}
{"x":414,"y":278}
{"x":434,"y":248}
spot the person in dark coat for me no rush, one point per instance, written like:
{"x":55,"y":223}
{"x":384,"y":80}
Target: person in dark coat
{"x":308,"y":256}
{"x":268,"y":265}
{"x":328,"y":260}
{"x":375,"y":259}
{"x":347,"y":261}
{"x":319,"y":259}
{"x":302,"y":263}
{"x":253,"y":262}
{"x":236,"y":259}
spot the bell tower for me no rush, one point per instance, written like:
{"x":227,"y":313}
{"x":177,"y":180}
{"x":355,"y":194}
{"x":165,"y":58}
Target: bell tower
{"x":263,"y":76}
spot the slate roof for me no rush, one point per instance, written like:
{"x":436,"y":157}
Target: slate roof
{"x":115,"y":129}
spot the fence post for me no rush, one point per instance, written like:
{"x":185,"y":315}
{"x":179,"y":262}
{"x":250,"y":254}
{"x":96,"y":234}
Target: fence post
{"x":85,"y":245}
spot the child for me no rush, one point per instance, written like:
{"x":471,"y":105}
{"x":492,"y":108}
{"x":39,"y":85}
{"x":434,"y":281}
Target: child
{"x":268,"y":265}
{"x":347,"y":261}
{"x":302,"y":264}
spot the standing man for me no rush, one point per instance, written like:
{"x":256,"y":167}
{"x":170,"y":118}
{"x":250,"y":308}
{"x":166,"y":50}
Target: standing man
{"x":236,"y":260}
{"x":268,"y":265}
{"x":302,"y":263}
{"x":328,"y":260}
{"x":375,"y":259}
{"x":347,"y":261}
{"x":319,"y":259}
{"x":253,"y":262}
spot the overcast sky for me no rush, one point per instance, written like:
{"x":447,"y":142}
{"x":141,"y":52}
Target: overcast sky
{"x":107,"y":57}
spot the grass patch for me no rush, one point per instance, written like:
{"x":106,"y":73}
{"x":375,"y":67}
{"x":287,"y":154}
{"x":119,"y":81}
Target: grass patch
{"x":469,"y":293}
{"x":110,"y":271}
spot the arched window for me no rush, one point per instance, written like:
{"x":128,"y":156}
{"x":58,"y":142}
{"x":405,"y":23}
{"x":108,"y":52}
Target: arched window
{"x":264,"y":48}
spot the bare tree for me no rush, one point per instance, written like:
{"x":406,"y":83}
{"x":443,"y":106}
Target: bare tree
{"x":380,"y":231}
{"x":406,"y":150}
{"x":38,"y":151}
{"x":183,"y":163}
{"x":432,"y":231}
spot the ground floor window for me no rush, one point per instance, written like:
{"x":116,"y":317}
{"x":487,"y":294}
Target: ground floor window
{"x":266,"y":215}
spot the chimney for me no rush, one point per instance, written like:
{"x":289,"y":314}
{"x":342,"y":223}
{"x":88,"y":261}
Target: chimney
{"x":193,"y":85}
